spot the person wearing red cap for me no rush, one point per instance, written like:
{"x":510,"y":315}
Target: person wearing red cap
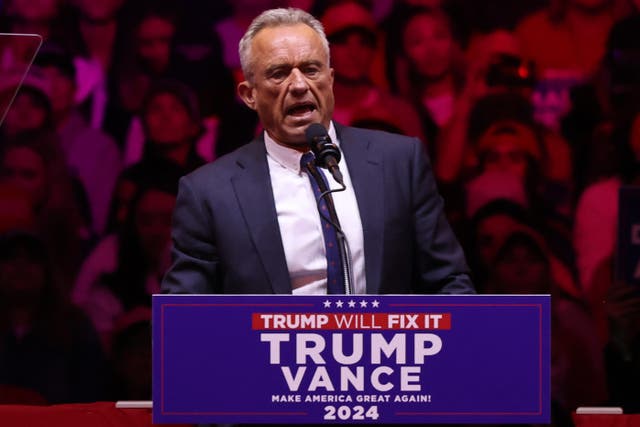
{"x":353,"y":40}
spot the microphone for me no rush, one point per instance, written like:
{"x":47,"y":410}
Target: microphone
{"x":326,"y":152}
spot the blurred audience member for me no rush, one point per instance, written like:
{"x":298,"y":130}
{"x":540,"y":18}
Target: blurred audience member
{"x":45,"y":345}
{"x":31,"y":110}
{"x":504,"y":136}
{"x":596,"y":219}
{"x":96,"y":36}
{"x":499,"y":87}
{"x":567,"y":42}
{"x":491,"y":225}
{"x":125,"y":269}
{"x":622,"y":353}
{"x":153,"y":55}
{"x":31,"y":118}
{"x":495,"y":185}
{"x":430,"y":74}
{"x":522,"y":265}
{"x":353,"y":35}
{"x":91,"y":156}
{"x":511,"y":147}
{"x":622,"y":64}
{"x":34,"y":163}
{"x":604,"y":104}
{"x":131,"y":356}
{"x":171,"y":122}
{"x":43,"y":17}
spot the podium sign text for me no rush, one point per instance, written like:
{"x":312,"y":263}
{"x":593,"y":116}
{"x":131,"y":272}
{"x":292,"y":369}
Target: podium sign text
{"x":351,"y":359}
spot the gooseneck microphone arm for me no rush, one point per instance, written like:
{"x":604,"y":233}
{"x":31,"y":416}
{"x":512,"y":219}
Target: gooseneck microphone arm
{"x":328,"y":155}
{"x":343,"y":243}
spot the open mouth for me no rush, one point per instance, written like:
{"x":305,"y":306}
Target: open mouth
{"x":301,"y":109}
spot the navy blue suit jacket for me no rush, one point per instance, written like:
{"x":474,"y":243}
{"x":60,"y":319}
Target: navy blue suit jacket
{"x":226,"y":237}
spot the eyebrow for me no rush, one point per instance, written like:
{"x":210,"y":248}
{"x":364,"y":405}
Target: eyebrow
{"x":281,"y":65}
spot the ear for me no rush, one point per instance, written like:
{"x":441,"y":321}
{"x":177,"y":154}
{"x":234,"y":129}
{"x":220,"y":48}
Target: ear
{"x":246,"y":93}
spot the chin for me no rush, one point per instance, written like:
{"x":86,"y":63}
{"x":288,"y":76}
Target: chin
{"x":296,"y":139}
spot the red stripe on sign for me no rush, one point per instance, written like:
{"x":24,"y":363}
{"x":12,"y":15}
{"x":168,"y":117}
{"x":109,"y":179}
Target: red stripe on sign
{"x":351,"y":321}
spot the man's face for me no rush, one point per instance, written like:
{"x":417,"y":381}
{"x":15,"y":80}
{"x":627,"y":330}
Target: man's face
{"x":292,"y":83}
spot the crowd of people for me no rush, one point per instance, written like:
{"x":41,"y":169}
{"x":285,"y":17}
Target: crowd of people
{"x":529,"y":110}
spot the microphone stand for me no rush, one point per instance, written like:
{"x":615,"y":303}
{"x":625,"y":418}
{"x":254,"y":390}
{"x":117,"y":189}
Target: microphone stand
{"x":343,"y":244}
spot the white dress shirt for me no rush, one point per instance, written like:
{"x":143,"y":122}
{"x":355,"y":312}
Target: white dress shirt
{"x":299,"y":220}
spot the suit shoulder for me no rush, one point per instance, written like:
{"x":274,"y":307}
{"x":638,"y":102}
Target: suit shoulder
{"x":390,"y":144}
{"x":224,"y":166}
{"x":378,"y":137}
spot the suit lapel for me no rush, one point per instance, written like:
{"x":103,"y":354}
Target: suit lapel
{"x":366,"y":172}
{"x":252,"y":186}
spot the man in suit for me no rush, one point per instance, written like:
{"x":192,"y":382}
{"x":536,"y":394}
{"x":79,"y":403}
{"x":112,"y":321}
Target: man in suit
{"x":248,"y":223}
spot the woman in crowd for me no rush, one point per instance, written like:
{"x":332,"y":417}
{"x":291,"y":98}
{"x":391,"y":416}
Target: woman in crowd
{"x":34,"y":163}
{"x":430,"y":73}
{"x":126,"y":268}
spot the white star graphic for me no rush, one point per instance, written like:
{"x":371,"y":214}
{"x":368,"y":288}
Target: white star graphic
{"x":327,"y":304}
{"x":352,"y":304}
{"x":375,"y":303}
{"x":363,"y":303}
{"x":339,"y":304}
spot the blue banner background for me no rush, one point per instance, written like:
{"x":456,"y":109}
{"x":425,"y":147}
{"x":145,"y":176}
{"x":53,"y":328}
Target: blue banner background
{"x":210,"y":366}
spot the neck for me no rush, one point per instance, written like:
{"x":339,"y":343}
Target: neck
{"x":177,"y":153}
{"x":439,"y":86}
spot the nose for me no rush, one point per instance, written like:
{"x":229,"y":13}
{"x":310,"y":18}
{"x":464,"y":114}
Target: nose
{"x":299,"y":83}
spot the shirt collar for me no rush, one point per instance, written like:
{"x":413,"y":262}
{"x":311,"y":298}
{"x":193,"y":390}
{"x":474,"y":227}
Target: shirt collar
{"x":288,"y":157}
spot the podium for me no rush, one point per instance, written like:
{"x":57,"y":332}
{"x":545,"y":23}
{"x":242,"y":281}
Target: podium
{"x":351,"y":359}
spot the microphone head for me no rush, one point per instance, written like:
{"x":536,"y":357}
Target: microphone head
{"x":321,"y":144}
{"x":315,"y":130}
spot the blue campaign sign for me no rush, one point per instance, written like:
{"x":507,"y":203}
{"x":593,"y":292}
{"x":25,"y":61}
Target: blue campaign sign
{"x":627,"y":259}
{"x":351,"y":359}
